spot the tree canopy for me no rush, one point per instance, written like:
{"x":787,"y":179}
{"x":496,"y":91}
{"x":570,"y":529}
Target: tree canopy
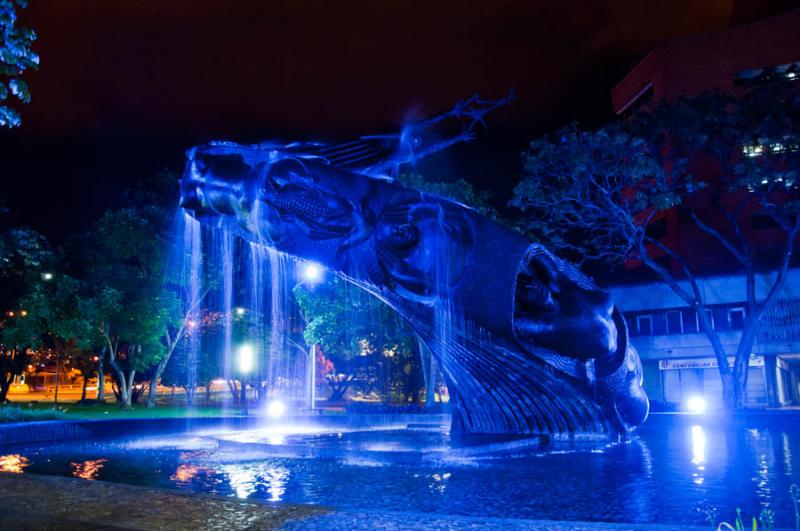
{"x":712,"y":160}
{"x":16,"y":57}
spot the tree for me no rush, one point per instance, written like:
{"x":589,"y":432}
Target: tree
{"x":711,"y":159}
{"x":362,"y":351}
{"x":460,"y":191}
{"x":16,"y":57}
{"x":138,"y":320}
{"x":55,"y":318}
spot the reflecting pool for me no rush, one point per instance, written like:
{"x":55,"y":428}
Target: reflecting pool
{"x":671,"y":473}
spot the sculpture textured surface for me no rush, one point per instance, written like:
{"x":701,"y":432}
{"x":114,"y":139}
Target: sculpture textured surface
{"x":527,"y":344}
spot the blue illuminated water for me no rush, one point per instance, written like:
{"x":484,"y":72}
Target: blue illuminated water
{"x":671,"y":473}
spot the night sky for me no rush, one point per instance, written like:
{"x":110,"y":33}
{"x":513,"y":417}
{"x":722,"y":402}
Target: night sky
{"x":126,"y":86}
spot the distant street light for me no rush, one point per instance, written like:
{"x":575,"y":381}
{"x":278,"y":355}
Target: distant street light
{"x":240,"y":311}
{"x":47,"y":276}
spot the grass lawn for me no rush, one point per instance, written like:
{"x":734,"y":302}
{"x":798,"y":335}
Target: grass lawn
{"x":44,"y":411}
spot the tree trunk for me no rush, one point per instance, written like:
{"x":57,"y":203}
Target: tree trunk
{"x":83,"y":390}
{"x":208,"y":393}
{"x":125,"y":384}
{"x":58,"y":377}
{"x":725,"y":374}
{"x":151,"y":393}
{"x":129,"y":391}
{"x":741,"y":367}
{"x":234,"y":391}
{"x":5,"y":385}
{"x":101,"y":378}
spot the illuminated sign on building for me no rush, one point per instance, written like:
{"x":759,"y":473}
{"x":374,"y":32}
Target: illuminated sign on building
{"x":703,"y":363}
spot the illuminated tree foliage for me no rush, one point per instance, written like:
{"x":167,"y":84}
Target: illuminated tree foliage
{"x":54,"y":319}
{"x":136,"y":319}
{"x":460,"y":191}
{"x":16,"y":57}
{"x":365,"y":340}
{"x":713,"y":160}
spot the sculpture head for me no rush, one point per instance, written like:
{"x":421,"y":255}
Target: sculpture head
{"x":558,"y":308}
{"x":367,"y":228}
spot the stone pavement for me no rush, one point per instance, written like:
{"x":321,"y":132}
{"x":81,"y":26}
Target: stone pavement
{"x":34,"y":502}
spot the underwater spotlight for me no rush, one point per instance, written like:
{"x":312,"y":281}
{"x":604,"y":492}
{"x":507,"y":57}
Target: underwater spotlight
{"x":312,"y":272}
{"x":696,"y":404}
{"x":245,"y":358}
{"x":276,"y":409}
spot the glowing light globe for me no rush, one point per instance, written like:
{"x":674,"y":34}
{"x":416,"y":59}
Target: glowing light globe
{"x":696,"y":404}
{"x":276,"y":409}
{"x":245,"y":358}
{"x":312,"y":272}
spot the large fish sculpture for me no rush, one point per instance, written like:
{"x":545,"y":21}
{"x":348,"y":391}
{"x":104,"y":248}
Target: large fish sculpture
{"x":527,"y":344}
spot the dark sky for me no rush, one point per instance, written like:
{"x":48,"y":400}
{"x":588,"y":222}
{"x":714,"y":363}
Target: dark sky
{"x":126,"y":86}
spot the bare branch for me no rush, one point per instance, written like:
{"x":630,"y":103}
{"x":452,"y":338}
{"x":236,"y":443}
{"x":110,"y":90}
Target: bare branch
{"x":784,"y":268}
{"x":719,"y":237}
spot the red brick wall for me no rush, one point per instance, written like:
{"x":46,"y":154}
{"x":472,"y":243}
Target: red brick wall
{"x":710,"y":61}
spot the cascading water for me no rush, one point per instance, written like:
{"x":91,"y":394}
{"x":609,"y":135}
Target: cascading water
{"x":193,"y":244}
{"x":240,"y":293}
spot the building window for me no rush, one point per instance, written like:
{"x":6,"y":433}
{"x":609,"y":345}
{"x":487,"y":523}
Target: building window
{"x":644,"y":325}
{"x":674,"y":322}
{"x":710,"y":315}
{"x":767,"y":76}
{"x":690,"y":325}
{"x":736,"y":318}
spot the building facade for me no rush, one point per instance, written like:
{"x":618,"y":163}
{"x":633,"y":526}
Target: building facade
{"x":677,"y":357}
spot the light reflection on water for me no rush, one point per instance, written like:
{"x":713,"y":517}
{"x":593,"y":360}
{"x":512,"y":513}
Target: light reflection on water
{"x":698,"y":453}
{"x":669,"y":474}
{"x":88,"y":469}
{"x":247,"y":478}
{"x":13,"y":463}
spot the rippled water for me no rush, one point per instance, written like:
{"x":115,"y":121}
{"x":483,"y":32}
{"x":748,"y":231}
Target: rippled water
{"x":669,"y":474}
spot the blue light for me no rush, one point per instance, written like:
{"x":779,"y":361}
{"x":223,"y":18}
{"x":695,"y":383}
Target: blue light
{"x":246,"y":358}
{"x":312,"y":272}
{"x":696,"y":404}
{"x":276,"y":409}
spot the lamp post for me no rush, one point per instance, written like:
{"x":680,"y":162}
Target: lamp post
{"x":245,"y":359}
{"x":312,"y":273}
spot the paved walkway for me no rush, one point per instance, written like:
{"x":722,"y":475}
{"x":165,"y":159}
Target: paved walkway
{"x":33,"y":502}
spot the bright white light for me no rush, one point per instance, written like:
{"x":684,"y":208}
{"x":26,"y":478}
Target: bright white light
{"x":47,"y":276}
{"x":698,"y":445}
{"x":239,"y":311}
{"x":312,"y":272}
{"x":276,"y":409}
{"x":696,"y":404}
{"x":245,"y":358}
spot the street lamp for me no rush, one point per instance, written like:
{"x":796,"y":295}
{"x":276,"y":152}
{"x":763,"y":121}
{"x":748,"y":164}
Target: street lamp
{"x":47,"y":276}
{"x":245,"y":360}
